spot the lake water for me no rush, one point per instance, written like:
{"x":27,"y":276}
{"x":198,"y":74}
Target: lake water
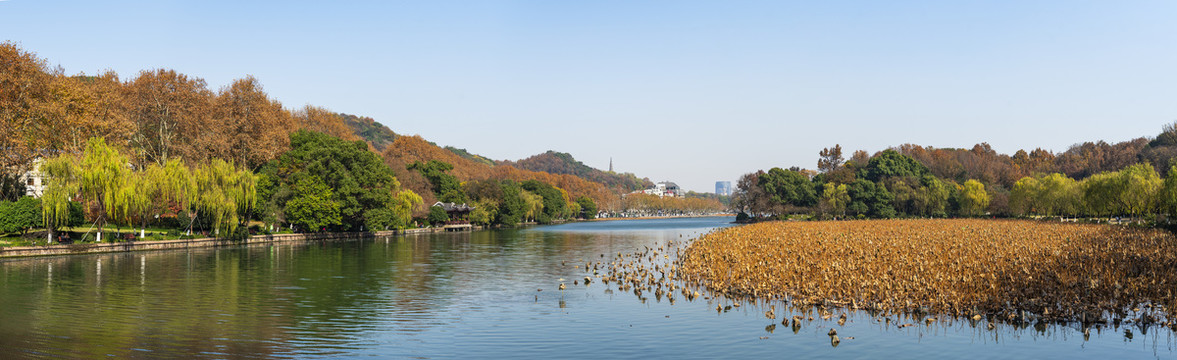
{"x":456,"y":295}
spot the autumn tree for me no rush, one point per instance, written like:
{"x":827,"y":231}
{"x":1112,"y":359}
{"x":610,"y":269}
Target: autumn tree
{"x":250,"y":128}
{"x":318,"y":119}
{"x":831,"y":159}
{"x":26,"y":90}
{"x":167,"y":110}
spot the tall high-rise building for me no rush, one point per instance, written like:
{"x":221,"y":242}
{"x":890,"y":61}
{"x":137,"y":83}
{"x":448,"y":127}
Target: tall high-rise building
{"x":723,"y":188}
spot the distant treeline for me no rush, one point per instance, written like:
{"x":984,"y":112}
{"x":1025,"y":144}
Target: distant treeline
{"x":1132,"y":178}
{"x":563,"y":163}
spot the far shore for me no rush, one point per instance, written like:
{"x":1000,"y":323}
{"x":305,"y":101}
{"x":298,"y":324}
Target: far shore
{"x":660,"y":217}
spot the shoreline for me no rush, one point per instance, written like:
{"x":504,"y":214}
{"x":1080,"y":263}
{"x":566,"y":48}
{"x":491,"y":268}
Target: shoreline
{"x":14,"y":252}
{"x":658,"y":217}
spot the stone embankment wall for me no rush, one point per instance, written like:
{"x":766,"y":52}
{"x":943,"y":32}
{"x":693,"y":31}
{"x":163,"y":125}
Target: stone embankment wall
{"x":89,"y":248}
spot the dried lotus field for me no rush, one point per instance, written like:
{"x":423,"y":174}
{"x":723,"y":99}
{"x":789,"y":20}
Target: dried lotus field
{"x":961,"y":267}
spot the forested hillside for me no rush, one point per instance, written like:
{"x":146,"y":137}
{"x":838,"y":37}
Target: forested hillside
{"x":407,"y":150}
{"x":563,"y":163}
{"x":376,"y":134}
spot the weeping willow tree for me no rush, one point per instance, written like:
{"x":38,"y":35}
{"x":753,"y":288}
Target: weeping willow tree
{"x":61,"y":184}
{"x":100,"y":175}
{"x":224,"y":193}
{"x":150,"y":191}
{"x":403,"y":205}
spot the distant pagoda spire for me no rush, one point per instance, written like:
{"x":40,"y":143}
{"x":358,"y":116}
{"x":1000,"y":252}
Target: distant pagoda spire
{"x":610,"y":164}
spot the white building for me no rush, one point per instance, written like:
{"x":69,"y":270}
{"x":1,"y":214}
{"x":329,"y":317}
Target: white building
{"x":34,"y":182}
{"x":664,"y":189}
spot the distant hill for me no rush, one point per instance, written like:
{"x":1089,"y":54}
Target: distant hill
{"x":409,"y":149}
{"x":563,"y":163}
{"x":467,"y":155}
{"x":374,"y":133}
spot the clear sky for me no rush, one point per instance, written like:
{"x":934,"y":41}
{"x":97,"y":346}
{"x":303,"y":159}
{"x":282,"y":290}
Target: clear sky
{"x":691,"y":92}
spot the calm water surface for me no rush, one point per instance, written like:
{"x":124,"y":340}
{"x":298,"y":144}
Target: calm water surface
{"x":470,"y":295}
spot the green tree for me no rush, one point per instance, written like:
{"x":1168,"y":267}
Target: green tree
{"x":1131,"y":191}
{"x":891,"y":163}
{"x":445,"y":186}
{"x":588,"y":208}
{"x":973,"y":198}
{"x":11,"y":187}
{"x":100,"y":175}
{"x":936,"y":193}
{"x":513,"y":207}
{"x":437,"y":215}
{"x":20,"y":215}
{"x":313,"y":206}
{"x":869,"y":199}
{"x":368,"y":194}
{"x":484,"y":212}
{"x":403,"y":206}
{"x":1050,"y":195}
{"x":225,"y":194}
{"x":1167,"y":196}
{"x":834,"y":198}
{"x":534,"y":206}
{"x":555,"y":201}
{"x":787,"y":187}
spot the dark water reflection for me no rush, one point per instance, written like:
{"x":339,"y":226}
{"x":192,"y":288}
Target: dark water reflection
{"x":451,"y":295}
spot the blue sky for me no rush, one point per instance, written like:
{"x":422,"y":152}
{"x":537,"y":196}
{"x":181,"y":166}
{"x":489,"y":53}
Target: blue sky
{"x":692,"y":92}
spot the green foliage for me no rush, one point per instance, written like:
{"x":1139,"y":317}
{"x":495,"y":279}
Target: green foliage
{"x":973,"y":199}
{"x":742,"y":217}
{"x":1049,"y":195}
{"x":1168,"y":194}
{"x":588,"y":207}
{"x":403,"y":205}
{"x":891,"y":163}
{"x":225,"y":194}
{"x":437,"y":215}
{"x":312,"y":206}
{"x":834,"y":198}
{"x":375,"y":133}
{"x":467,"y":155}
{"x":367,"y":193}
{"x":20,"y":215}
{"x":445,"y":186}
{"x":484,"y":212}
{"x":11,"y":187}
{"x":869,"y":199}
{"x":512,"y":207}
{"x":788,"y":187}
{"x":554,"y":200}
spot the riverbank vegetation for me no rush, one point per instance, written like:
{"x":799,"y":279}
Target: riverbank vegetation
{"x":1134,"y":179}
{"x":960,"y":267}
{"x":163,"y":150}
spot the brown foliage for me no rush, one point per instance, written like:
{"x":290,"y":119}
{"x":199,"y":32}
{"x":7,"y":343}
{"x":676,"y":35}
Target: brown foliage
{"x":959,"y":267}
{"x":409,"y":149}
{"x":315,"y":118}
{"x":249,"y":128}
